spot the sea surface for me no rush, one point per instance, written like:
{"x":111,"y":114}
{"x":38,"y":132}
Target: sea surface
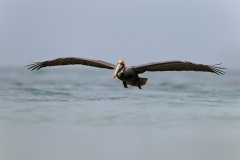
{"x":81,"y":113}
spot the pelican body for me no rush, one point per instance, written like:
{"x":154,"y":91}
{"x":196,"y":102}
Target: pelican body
{"x":129,"y":75}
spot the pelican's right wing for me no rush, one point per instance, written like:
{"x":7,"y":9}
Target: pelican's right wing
{"x":71,"y":61}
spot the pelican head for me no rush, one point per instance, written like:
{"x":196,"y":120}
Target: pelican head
{"x":119,"y":68}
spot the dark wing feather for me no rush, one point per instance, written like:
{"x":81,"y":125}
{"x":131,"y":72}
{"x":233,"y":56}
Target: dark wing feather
{"x":71,"y":61}
{"x":178,"y":66}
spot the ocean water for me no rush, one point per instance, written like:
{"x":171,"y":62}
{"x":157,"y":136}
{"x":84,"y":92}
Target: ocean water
{"x":77,"y":112}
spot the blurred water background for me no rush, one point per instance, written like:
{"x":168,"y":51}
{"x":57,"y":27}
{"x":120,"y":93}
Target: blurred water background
{"x":77,"y":112}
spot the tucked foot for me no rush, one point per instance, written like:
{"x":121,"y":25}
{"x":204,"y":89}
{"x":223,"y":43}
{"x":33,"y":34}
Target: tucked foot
{"x":139,"y":86}
{"x":138,"y":83}
{"x":125,"y":85}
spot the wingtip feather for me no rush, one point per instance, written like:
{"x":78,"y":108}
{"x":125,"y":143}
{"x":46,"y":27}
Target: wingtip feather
{"x":218,"y":70}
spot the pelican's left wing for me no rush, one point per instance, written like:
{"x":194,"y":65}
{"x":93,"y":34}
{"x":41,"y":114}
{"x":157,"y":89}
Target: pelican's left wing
{"x":177,"y":66}
{"x":71,"y":61}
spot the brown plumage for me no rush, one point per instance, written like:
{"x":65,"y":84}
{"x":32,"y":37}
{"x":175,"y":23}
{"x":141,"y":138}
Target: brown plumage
{"x":71,"y":61}
{"x":178,"y":66}
{"x":129,"y":74}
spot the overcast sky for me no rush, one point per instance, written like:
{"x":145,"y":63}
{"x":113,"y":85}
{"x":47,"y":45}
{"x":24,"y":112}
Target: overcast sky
{"x":138,"y":31}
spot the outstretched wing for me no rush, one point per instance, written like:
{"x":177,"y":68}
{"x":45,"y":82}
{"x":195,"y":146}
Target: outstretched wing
{"x":71,"y":61}
{"x":178,"y":66}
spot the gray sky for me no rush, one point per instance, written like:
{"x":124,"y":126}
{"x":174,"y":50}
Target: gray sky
{"x":138,"y":31}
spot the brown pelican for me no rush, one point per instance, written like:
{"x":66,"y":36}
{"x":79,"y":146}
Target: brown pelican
{"x":129,"y":74}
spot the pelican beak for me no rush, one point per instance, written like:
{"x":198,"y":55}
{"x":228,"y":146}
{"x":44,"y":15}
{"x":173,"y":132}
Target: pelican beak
{"x":119,"y":67}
